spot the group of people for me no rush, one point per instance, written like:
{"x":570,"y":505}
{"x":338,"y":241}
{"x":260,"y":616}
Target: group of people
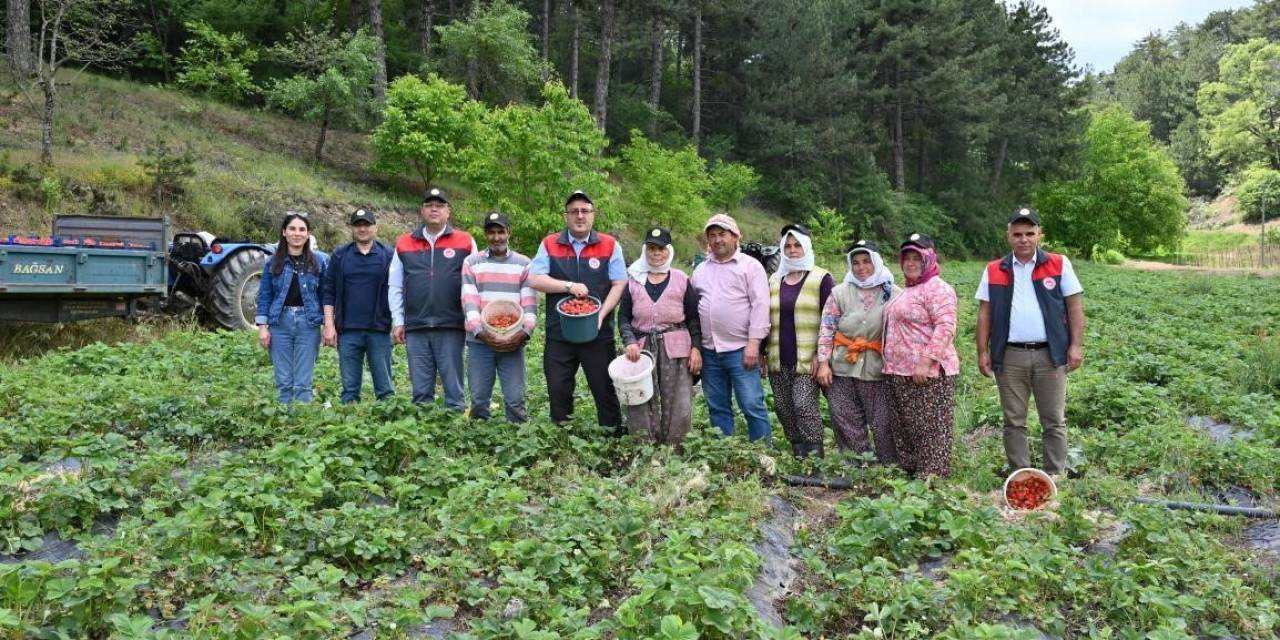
{"x":883,"y":355}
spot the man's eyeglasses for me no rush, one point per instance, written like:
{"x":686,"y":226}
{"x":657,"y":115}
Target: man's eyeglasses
{"x":580,"y":212}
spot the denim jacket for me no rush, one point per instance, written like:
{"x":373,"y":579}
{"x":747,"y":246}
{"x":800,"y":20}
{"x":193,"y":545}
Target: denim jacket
{"x":275,"y":288}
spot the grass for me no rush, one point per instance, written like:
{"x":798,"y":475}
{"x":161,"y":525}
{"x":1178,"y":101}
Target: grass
{"x":1212,"y":241}
{"x":251,"y":165}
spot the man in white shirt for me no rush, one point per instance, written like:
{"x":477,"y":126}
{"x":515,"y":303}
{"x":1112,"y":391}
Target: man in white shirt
{"x":1030,"y":335}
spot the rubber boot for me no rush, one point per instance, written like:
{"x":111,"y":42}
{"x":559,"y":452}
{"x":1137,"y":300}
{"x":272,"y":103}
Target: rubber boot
{"x":816,"y":449}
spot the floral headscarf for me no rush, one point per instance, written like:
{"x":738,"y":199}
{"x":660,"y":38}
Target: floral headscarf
{"x":930,"y":269}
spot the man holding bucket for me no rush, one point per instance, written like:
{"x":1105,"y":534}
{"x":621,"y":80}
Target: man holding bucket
{"x":498,"y":275}
{"x":580,"y":262}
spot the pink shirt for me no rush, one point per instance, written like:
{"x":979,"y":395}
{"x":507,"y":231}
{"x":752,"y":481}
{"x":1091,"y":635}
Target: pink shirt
{"x":921,"y":321}
{"x":734,"y":306}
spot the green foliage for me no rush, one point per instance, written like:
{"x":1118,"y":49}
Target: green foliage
{"x":217,"y":65}
{"x":831,"y":232}
{"x":1259,"y":193}
{"x":534,"y":156}
{"x":731,"y":184}
{"x":492,"y":53}
{"x":666,"y":186}
{"x":52,"y":192}
{"x":169,"y":169}
{"x":333,"y":82}
{"x":428,"y":128}
{"x":1260,"y":370}
{"x":1239,"y":110}
{"x":1129,"y":195}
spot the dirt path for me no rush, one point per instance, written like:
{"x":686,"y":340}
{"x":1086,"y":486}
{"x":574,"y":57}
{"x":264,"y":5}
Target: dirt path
{"x":1152,"y":265}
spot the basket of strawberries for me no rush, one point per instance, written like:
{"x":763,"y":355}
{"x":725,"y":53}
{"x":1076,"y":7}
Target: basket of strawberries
{"x":1029,"y":489}
{"x":502,"y":318}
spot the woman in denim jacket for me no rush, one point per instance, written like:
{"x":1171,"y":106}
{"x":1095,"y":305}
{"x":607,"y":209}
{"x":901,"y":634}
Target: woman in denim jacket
{"x":289,"y":316}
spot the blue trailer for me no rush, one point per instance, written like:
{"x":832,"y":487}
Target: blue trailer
{"x":97,"y":266}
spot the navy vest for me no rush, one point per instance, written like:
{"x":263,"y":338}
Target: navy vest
{"x":1046,"y":279}
{"x":591,"y":268}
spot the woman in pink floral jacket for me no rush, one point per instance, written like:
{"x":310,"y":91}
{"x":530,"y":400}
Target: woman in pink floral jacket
{"x":920,"y":361}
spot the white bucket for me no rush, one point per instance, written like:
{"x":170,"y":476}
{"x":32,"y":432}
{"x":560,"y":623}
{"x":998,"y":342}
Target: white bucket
{"x":632,"y":380}
{"x":1029,"y":471}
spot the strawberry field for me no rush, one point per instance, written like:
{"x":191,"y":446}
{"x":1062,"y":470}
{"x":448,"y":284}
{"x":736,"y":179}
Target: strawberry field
{"x":157,"y":490}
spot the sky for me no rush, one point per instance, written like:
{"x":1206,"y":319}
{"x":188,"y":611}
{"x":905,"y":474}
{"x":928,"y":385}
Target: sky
{"x":1102,"y":31}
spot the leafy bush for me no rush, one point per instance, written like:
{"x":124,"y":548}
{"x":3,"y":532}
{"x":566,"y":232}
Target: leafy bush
{"x":666,"y":185}
{"x":1104,"y":255}
{"x":1129,"y":195}
{"x":731,"y":184}
{"x":535,"y":156}
{"x":831,"y":232}
{"x":1259,"y":193}
{"x":428,"y":128}
{"x":216,"y":65}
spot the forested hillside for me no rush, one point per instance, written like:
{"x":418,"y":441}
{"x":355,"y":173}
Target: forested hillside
{"x":912,"y":114}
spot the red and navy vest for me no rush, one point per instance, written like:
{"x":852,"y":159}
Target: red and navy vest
{"x":1053,"y":306}
{"x":433,"y":278}
{"x":591,"y":268}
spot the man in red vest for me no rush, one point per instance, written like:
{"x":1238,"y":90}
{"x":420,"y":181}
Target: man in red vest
{"x":580,"y":261}
{"x":1030,"y":335}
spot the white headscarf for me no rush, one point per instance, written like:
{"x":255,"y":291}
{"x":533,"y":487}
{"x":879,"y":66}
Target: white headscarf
{"x":640,"y":269}
{"x":804,"y":262}
{"x":879,"y":278}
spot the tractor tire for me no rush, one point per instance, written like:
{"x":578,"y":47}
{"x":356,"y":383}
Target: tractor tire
{"x":232,"y":299}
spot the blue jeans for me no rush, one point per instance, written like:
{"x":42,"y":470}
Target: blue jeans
{"x":724,"y":377}
{"x":295,"y":343}
{"x":354,"y":348}
{"x":482,"y":365}
{"x":433,"y":351}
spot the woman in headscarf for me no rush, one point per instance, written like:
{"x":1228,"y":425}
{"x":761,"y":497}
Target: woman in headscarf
{"x":659,"y":313}
{"x":849,"y":362}
{"x":797,"y":293}
{"x":920,"y":361}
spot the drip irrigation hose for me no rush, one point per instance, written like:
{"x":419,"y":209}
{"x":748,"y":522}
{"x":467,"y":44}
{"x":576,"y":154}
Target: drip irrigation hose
{"x":814,"y":481}
{"x":1224,"y":509}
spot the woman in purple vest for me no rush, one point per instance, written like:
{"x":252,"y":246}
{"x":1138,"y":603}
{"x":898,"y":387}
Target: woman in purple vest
{"x":659,"y":313}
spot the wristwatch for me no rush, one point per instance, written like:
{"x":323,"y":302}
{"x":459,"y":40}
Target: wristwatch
{"x":568,"y":286}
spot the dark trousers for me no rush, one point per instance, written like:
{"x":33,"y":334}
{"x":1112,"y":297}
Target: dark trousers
{"x":560,"y":362}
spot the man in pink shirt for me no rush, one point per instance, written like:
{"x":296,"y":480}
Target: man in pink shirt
{"x":734,"y":314}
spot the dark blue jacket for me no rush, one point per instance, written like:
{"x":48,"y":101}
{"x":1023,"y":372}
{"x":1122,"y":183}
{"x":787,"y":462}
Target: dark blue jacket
{"x":333,"y":285}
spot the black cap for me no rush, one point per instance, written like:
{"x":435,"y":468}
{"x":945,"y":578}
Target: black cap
{"x":657,"y":237}
{"x":435,"y":194}
{"x":918,"y":240}
{"x":798,"y":228}
{"x":868,"y":246}
{"x":362,"y":215}
{"x":578,"y":195}
{"x":495,"y":219}
{"x":1025,"y":214}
